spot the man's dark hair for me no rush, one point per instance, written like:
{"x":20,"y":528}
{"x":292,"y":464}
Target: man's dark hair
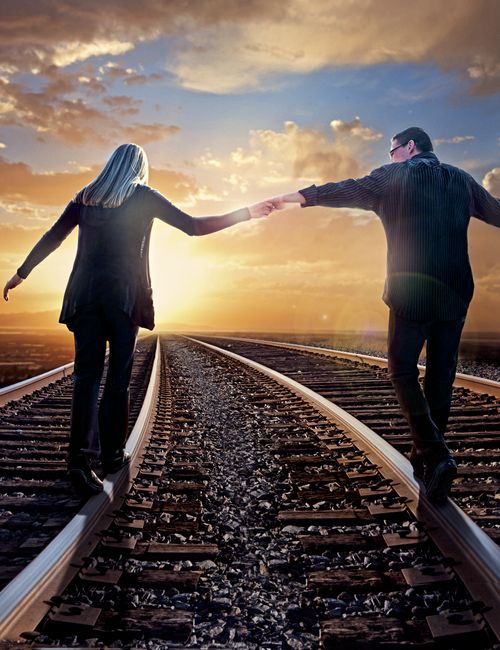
{"x":418,"y":135}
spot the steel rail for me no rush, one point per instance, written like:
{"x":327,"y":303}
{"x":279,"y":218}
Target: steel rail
{"x":454,"y":533}
{"x":21,"y":388}
{"x":26,"y":386}
{"x":23,"y":602}
{"x":476,"y":384}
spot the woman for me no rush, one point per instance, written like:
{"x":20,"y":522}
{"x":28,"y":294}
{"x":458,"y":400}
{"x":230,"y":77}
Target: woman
{"x":108,"y":295}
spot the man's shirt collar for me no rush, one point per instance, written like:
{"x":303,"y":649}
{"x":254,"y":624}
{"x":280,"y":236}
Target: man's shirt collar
{"x":426,"y":158}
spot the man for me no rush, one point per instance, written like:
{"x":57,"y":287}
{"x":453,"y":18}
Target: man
{"x":425,"y":207}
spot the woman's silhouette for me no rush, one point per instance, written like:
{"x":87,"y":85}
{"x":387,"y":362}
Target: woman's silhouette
{"x":108,"y":295}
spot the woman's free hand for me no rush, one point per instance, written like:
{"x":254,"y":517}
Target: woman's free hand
{"x":13,"y":282}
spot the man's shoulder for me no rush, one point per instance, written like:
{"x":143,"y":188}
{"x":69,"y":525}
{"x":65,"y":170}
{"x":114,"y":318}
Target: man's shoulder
{"x":384,"y":170}
{"x":431,"y":161}
{"x":455,"y":170}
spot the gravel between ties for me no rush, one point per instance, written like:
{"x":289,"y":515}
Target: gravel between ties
{"x":249,"y":597}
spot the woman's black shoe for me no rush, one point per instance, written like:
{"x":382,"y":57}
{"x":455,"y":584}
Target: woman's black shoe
{"x":114,"y":464}
{"x":438,"y":480}
{"x":85,"y":481}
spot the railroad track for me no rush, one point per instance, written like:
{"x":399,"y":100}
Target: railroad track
{"x":258,"y":514}
{"x":36,"y":500}
{"x":360,"y":385}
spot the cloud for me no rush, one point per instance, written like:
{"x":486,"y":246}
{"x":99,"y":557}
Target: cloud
{"x":485,"y":72}
{"x":71,"y":120}
{"x":457,"y":35}
{"x":456,"y":139}
{"x":241,"y":158}
{"x":219,"y":47}
{"x":280,"y":160}
{"x":356,"y":129}
{"x":175,"y":185}
{"x":207,"y":159}
{"x":61,"y":32}
{"x":21,"y":183}
{"x":491,"y":181}
{"x":295,"y":154}
{"x":122,"y":104}
{"x":18,"y":239}
{"x":130,"y":76}
{"x":224,"y":46}
{"x":146,"y":133}
{"x":140,"y":79}
{"x":67,"y":53}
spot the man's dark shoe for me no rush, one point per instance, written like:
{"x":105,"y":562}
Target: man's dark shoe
{"x":85,"y":481}
{"x":438,"y":479}
{"x":416,"y":459}
{"x":114,"y":464}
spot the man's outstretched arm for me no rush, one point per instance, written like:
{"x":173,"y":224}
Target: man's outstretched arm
{"x":484,"y":206}
{"x":363,"y":193}
{"x":294,"y":197}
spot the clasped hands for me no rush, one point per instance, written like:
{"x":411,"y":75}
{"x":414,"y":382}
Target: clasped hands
{"x":264,"y":208}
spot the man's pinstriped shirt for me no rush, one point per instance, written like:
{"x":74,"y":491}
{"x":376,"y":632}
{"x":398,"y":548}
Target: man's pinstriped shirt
{"x":425,"y":207}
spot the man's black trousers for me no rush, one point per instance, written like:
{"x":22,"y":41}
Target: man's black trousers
{"x":427,"y":411}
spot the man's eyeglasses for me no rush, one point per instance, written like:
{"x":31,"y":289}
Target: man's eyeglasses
{"x":399,"y":145}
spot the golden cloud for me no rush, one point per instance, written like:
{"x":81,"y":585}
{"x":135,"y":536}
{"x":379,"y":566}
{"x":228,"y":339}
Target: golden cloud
{"x":275,"y":160}
{"x":356,"y":129}
{"x":20,"y":182}
{"x":63,"y":32}
{"x":123,"y":104}
{"x":491,"y":181}
{"x":18,"y":239}
{"x":67,"y":53}
{"x":223,"y":46}
{"x":457,"y":35}
{"x":73,"y":121}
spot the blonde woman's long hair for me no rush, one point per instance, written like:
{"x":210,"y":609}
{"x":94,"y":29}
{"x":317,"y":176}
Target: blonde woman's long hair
{"x":125,"y":170}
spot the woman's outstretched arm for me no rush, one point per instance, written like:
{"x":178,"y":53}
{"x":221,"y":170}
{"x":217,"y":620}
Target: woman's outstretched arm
{"x":169,"y":213}
{"x":51,"y":240}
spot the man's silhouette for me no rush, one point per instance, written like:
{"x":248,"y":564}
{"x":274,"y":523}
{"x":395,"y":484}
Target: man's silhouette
{"x":425,"y":207}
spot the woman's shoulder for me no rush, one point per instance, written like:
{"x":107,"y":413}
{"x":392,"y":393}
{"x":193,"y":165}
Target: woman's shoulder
{"x":150,"y":192}
{"x":147,"y":195}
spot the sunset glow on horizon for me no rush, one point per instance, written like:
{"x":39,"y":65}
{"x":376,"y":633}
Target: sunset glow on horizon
{"x":234,"y":103}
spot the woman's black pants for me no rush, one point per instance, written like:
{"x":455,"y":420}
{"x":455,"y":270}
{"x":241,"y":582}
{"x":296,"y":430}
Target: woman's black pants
{"x":92,"y":326}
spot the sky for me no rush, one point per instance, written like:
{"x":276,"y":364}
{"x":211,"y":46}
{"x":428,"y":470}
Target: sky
{"x":236,"y":102}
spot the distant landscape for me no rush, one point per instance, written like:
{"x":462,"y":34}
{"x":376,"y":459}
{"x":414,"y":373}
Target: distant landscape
{"x":26,"y":352}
